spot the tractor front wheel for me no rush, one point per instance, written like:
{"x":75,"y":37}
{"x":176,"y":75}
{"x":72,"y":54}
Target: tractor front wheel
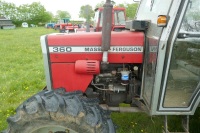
{"x":57,"y":111}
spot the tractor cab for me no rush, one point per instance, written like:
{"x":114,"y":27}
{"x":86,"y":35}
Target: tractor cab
{"x":171,"y":74}
{"x":171,"y":71}
{"x":118,"y":18}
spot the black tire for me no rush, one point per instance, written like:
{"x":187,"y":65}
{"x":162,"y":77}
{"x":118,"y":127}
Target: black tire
{"x":68,"y":111}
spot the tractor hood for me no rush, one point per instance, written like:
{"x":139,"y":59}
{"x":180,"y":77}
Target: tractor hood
{"x":126,"y":47}
{"x":70,"y":58}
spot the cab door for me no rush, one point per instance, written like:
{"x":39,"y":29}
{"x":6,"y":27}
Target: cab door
{"x":150,"y":11}
{"x":180,"y":85}
{"x":171,"y":75}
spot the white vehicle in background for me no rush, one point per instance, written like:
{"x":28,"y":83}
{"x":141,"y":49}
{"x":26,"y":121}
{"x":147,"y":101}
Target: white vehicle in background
{"x":25,"y":25}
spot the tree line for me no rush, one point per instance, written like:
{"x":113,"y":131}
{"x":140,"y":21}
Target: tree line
{"x":36,"y":13}
{"x":87,"y":12}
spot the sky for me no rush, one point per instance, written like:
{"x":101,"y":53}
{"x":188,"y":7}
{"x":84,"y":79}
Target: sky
{"x":72,"y":6}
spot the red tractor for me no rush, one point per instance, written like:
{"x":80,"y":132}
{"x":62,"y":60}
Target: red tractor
{"x":65,"y":26}
{"x":118,"y":20}
{"x":153,"y":66}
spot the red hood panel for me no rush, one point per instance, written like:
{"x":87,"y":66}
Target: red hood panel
{"x":94,"y":39}
{"x":126,"y":47}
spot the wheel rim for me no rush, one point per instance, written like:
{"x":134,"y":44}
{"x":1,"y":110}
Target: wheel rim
{"x":52,"y":129}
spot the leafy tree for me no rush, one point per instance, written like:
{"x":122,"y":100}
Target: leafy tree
{"x":131,"y":10}
{"x":62,"y":14}
{"x":51,"y":16}
{"x":38,"y":13}
{"x":8,"y":10}
{"x":23,"y":12}
{"x":86,"y":12}
{"x":121,"y":5}
{"x":33,"y":14}
{"x":100,"y":4}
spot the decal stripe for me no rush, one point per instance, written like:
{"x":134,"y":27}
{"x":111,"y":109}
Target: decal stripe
{"x":94,"y":49}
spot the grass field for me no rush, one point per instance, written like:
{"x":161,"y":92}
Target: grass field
{"x":22,"y":75}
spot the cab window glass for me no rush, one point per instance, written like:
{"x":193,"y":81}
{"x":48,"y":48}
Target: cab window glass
{"x":184,"y":72}
{"x":119,"y":18}
{"x":96,"y":17}
{"x":101,"y":19}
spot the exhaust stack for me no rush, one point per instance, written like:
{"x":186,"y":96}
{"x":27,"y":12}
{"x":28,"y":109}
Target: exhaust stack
{"x":106,"y":29}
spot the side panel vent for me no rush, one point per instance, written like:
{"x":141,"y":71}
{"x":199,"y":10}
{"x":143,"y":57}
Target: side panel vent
{"x":87,"y":67}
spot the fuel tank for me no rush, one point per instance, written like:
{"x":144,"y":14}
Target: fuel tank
{"x":63,"y":54}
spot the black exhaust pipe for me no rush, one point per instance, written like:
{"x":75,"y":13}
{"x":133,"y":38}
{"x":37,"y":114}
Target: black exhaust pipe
{"x":107,"y":25}
{"x":106,"y":29}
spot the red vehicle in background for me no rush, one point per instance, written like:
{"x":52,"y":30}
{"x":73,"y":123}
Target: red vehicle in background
{"x":64,"y":25}
{"x":70,"y":28}
{"x":118,"y":19}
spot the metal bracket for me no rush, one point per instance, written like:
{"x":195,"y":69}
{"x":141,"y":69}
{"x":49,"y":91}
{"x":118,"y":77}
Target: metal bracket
{"x":185,"y":124}
{"x":138,"y":25}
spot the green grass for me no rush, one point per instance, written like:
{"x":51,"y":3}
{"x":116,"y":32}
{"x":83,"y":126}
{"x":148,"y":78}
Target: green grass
{"x":21,"y":68}
{"x":22,"y":75}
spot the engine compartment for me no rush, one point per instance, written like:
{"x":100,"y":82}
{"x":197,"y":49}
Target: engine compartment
{"x":75,"y":62}
{"x":119,"y":83}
